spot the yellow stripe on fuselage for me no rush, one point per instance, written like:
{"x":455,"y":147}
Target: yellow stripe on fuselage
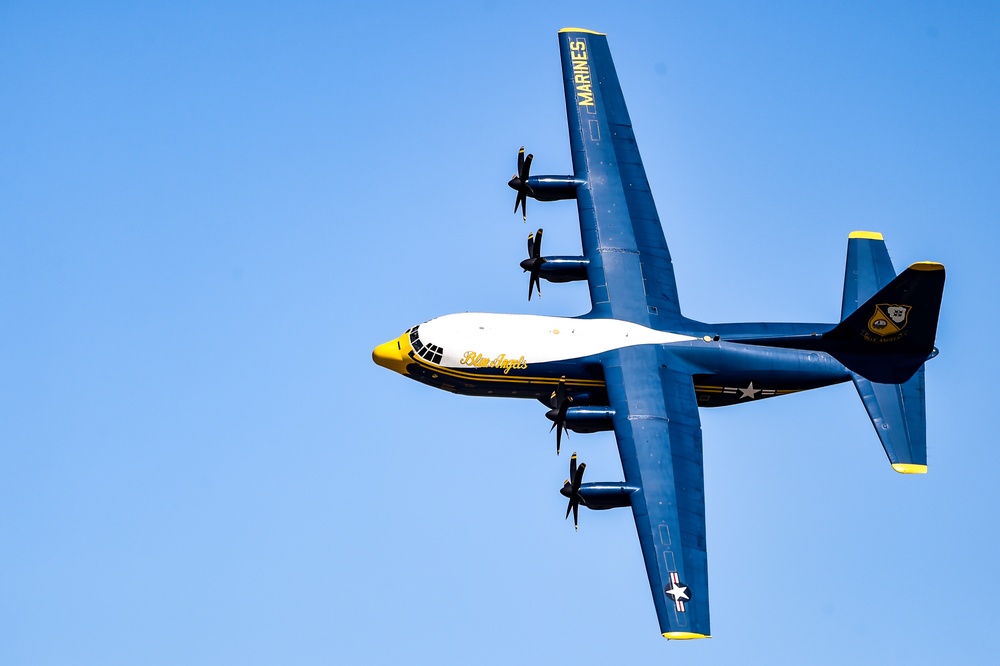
{"x":506,"y":379}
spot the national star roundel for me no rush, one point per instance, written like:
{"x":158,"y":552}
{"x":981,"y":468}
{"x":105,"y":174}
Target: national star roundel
{"x":678,"y":592}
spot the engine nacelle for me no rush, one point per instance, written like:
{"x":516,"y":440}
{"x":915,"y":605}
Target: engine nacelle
{"x":563,"y":269}
{"x":553,"y":188}
{"x":589,"y":419}
{"x":559,"y":269}
{"x":600,"y":496}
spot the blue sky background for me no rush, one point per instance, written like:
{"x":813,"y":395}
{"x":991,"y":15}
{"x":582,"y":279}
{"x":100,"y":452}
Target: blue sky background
{"x":211,"y":213}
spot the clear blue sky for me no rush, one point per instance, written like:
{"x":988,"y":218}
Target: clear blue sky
{"x":209,"y":216}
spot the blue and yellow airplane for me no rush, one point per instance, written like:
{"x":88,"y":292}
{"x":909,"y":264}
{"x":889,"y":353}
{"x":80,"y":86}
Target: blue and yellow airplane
{"x":635,"y":365}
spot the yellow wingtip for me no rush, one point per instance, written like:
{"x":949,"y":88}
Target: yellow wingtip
{"x":589,"y":32}
{"x":683,"y":635}
{"x":927,"y":266}
{"x":870,"y":235}
{"x":909,"y":468}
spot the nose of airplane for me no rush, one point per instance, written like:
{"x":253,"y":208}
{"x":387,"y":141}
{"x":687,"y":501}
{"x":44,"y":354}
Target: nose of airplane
{"x":391,"y":354}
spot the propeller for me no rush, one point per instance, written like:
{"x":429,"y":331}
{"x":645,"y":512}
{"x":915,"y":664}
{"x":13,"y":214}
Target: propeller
{"x":560,"y":403}
{"x":571,"y":489}
{"x":534,"y":262}
{"x":519,"y":183}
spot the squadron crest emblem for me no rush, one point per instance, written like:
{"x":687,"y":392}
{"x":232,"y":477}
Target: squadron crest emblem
{"x":888,"y":319}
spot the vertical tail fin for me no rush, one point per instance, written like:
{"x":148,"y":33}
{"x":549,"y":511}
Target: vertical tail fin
{"x":892,"y":334}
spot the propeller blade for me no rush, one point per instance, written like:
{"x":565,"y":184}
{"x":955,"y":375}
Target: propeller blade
{"x":578,"y":479}
{"x":534,"y":283}
{"x":560,"y":429}
{"x":534,"y":263}
{"x":520,"y":182}
{"x":571,"y":489}
{"x":560,"y":403}
{"x":560,"y":393}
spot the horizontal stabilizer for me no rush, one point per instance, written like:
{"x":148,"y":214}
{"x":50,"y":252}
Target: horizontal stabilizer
{"x":897,"y":411}
{"x":868,"y":270}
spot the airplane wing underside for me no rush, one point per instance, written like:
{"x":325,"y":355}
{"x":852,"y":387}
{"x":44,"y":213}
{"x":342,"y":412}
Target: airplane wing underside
{"x":659,"y":440}
{"x":631,"y":278}
{"x":630,"y":272}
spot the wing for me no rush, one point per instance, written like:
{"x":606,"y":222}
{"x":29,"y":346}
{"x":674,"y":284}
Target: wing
{"x":631,"y":278}
{"x":630,"y":273}
{"x":659,"y":440}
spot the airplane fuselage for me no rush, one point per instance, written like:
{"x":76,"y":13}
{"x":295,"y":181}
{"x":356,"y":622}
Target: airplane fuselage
{"x":526,"y":356}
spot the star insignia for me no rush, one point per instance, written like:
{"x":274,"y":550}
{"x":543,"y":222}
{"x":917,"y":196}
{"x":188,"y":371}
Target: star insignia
{"x":749,"y":392}
{"x":678,"y":592}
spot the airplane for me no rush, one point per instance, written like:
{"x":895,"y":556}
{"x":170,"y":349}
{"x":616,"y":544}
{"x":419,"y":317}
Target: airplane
{"x":636,"y":366}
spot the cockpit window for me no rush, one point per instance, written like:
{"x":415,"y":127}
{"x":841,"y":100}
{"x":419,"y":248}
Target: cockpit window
{"x":428,"y":352}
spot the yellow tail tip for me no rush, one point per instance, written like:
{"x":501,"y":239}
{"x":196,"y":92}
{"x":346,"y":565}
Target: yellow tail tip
{"x":589,"y":32}
{"x":927,"y":266}
{"x":870,"y":235}
{"x":683,"y":635}
{"x":908,"y":468}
